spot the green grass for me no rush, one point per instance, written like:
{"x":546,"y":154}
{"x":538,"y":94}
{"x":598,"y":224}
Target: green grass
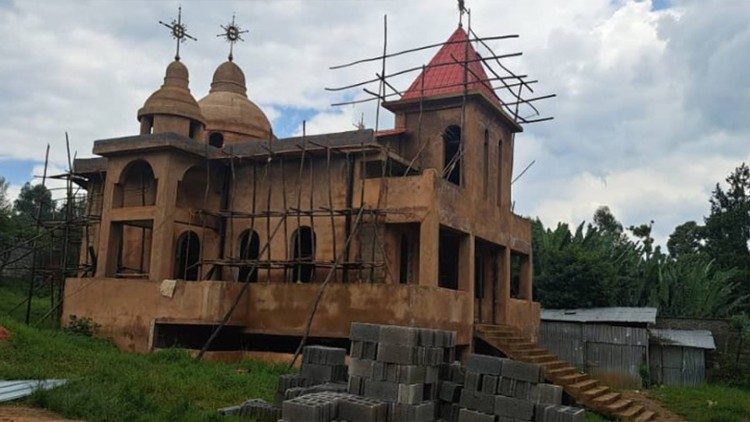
{"x":106,"y":384}
{"x":706,"y":403}
{"x":14,"y":292}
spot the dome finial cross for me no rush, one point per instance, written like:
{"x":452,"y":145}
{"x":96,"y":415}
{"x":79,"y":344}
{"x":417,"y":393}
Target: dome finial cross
{"x":179,"y":31}
{"x":232,"y":33}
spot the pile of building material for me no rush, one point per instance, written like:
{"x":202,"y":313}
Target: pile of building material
{"x":323,"y":369}
{"x":400,"y":366}
{"x":410,"y":374}
{"x":503,"y":390}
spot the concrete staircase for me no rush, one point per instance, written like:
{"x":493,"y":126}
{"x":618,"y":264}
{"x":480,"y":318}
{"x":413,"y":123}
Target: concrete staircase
{"x":586,"y":391}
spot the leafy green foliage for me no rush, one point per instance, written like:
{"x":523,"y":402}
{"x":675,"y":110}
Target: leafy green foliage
{"x":82,"y":325}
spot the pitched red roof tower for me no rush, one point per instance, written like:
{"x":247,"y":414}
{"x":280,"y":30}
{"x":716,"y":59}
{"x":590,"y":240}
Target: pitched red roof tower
{"x":444,"y":75}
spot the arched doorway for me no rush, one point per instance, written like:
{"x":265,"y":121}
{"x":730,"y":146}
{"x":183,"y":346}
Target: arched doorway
{"x":303,"y":251}
{"x":187,"y":256}
{"x":249,"y":248}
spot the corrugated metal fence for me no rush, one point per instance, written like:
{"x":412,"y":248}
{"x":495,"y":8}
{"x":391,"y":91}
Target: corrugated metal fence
{"x":612,"y":353}
{"x":675,"y":365}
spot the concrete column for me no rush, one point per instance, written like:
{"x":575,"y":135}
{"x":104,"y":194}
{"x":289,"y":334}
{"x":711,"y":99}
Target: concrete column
{"x":525,"y":278}
{"x":162,"y":246}
{"x":429,"y":253}
{"x":107,"y":256}
{"x":503,"y":291}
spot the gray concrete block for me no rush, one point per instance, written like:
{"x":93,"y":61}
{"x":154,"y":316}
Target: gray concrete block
{"x":381,"y":390}
{"x":489,"y":384}
{"x":507,"y":387}
{"x":546,"y":393}
{"x":514,"y":408}
{"x":369,"y":350}
{"x":543,"y":412}
{"x":399,"y":335}
{"x":422,"y":412}
{"x":364,"y":332}
{"x":355,"y":385}
{"x":430,"y":391}
{"x":360,"y":367}
{"x":362,"y":409}
{"x":475,"y":400}
{"x":260,"y":410}
{"x":473,"y":381}
{"x":355,"y":349}
{"x":432,"y":374}
{"x":323,"y":355}
{"x":467,"y":415}
{"x":411,"y":374}
{"x":394,"y":353}
{"x":229,"y":411}
{"x":410,"y":393}
{"x":450,"y":391}
{"x":316,"y":372}
{"x":522,"y":390}
{"x":522,"y":371}
{"x":427,"y":337}
{"x":485,"y":364}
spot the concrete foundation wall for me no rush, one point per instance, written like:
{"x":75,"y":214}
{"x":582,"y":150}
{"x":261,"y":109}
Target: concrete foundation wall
{"x":277,"y":308}
{"x":127,"y":309}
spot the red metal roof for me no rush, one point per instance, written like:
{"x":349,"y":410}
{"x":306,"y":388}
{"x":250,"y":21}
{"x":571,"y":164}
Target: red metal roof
{"x":448,"y":76}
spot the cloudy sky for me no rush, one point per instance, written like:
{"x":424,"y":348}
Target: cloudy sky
{"x":652,"y":107}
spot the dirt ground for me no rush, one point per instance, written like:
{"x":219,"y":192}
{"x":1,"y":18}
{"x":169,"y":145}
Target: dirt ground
{"x":27,"y":414}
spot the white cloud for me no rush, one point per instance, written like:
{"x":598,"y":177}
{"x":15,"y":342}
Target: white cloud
{"x":652,"y":109}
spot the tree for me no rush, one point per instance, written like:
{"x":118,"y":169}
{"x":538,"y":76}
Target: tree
{"x":727,"y":228}
{"x":30,"y":199}
{"x":685,"y":240}
{"x":605,"y":221}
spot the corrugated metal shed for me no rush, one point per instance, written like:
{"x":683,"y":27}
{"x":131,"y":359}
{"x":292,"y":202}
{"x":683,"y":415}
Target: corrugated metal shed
{"x":603,"y":315}
{"x":699,"y":339}
{"x":11,"y":390}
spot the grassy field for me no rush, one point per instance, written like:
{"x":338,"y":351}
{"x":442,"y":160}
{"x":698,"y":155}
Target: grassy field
{"x":706,"y":403}
{"x":13,"y":293}
{"x":106,"y":384}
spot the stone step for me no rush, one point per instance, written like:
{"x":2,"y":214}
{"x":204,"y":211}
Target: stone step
{"x":597,"y":391}
{"x":566,"y":380}
{"x":557,"y":372}
{"x":647,"y":415}
{"x":555,"y":364}
{"x":583,"y":385}
{"x":538,"y":359}
{"x":631,"y":412}
{"x":606,"y":399}
{"x":618,"y":406}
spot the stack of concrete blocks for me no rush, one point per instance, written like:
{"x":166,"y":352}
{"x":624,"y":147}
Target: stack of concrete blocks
{"x":504,"y":390}
{"x":400,"y":366}
{"x":323,"y":369}
{"x":451,"y":384}
{"x":331,"y":406}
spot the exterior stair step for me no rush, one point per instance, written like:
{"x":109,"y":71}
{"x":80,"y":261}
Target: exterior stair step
{"x":597,"y":391}
{"x":556,"y":364}
{"x":570,"y":379}
{"x":619,"y":405}
{"x":540,"y":359}
{"x":556,"y":372}
{"x":631,"y":412}
{"x":646,"y":416}
{"x":606,"y":399}
{"x":582,"y":385}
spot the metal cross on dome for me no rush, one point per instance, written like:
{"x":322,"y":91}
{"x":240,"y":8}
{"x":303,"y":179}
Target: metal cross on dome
{"x":232,"y":33}
{"x":179,"y":31}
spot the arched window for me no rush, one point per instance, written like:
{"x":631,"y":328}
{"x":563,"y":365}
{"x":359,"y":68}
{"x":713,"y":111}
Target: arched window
{"x":187,"y":256}
{"x":452,"y":154}
{"x":136,"y":187}
{"x":249,"y":247}
{"x":216,"y":139}
{"x":303,"y":252}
